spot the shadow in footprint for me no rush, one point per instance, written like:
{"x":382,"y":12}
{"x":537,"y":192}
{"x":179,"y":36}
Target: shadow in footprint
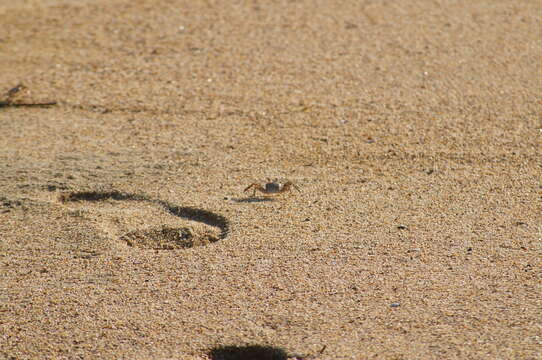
{"x":199,"y":215}
{"x":160,"y":238}
{"x":100,"y":196}
{"x":249,"y":352}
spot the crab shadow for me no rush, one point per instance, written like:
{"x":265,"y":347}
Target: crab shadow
{"x":184,"y":212}
{"x":253,"y":199}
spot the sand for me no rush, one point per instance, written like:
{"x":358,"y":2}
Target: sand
{"x":413,"y":130}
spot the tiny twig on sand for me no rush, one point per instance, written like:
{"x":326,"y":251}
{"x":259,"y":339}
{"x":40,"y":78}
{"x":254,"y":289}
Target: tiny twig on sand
{"x":11,"y":102}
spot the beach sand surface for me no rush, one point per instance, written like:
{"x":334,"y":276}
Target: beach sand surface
{"x":412,"y":129}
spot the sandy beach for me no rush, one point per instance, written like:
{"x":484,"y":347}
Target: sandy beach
{"x":412,"y":130}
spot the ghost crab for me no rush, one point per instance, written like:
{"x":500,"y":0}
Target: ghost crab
{"x":272,"y":188}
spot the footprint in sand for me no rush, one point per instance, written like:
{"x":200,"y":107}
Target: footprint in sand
{"x":145,"y":223}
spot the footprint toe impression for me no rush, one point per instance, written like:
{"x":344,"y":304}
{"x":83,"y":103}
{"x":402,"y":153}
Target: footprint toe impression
{"x":146,"y":223}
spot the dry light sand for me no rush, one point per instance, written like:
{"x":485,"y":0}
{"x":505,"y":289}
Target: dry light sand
{"x":412,"y":128}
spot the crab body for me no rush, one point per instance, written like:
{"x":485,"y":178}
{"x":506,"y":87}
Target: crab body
{"x":272,"y":188}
